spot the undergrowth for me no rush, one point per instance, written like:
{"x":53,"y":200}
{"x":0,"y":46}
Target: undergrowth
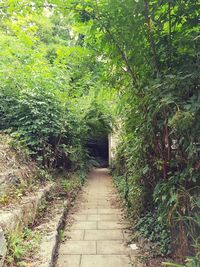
{"x":21,"y":246}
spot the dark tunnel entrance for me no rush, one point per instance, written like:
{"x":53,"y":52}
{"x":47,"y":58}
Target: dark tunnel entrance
{"x":98,"y":151}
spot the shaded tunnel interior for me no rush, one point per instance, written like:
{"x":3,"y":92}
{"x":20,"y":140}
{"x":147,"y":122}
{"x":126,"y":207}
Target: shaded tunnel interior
{"x":98,"y":151}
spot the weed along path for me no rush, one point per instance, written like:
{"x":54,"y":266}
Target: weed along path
{"x":95,"y":234}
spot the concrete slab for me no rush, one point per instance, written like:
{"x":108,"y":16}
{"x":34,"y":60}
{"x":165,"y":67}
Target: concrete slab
{"x":69,"y":261}
{"x":111,"y":247}
{"x":105,"y":261}
{"x":78,"y":247}
{"x":80,"y":217}
{"x":110,"y":225}
{"x":88,"y":211}
{"x":109,"y":211}
{"x":75,"y":235}
{"x":103,"y":235}
{"x":83,"y":225}
{"x":103,"y":217}
{"x":98,"y":230}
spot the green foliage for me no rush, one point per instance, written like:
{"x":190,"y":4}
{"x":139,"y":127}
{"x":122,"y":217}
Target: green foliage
{"x":173,"y":264}
{"x":131,"y":192}
{"x":73,"y":181}
{"x":42,"y":208}
{"x":45,"y":78}
{"x":68,"y":185}
{"x":153,"y":59}
{"x":82,"y":176}
{"x":190,"y":262}
{"x":97,"y":120}
{"x":15,"y":247}
{"x":181,"y":121}
{"x":61,"y":235}
{"x":154,"y":231}
{"x":43,"y":175}
{"x":21,"y":245}
{"x":54,"y":69}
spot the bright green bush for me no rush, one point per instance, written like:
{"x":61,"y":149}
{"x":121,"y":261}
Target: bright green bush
{"x":43,"y":89}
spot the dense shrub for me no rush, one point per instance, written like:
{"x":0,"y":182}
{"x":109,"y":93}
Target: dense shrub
{"x":46,"y":102}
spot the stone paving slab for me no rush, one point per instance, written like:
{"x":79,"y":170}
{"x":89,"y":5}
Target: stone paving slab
{"x":103,"y":235}
{"x":69,"y":261}
{"x":80,"y":217}
{"x":84,"y":225}
{"x":111,"y":247}
{"x":78,"y":247}
{"x":97,"y":230}
{"x":105,"y":261}
{"x":108,"y":211}
{"x":76,"y":235}
{"x":94,"y":207}
{"x":103,"y":217}
{"x":88,"y":211}
{"x":109,"y":225}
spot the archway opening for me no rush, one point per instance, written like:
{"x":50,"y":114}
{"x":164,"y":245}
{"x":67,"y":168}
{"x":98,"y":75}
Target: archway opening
{"x":98,"y":151}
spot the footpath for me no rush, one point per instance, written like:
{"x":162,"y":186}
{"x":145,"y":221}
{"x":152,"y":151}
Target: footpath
{"x":95,"y":234}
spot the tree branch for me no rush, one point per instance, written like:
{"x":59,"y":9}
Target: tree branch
{"x":150,"y":35}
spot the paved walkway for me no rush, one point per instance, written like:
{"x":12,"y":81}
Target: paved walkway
{"x":95,"y":235}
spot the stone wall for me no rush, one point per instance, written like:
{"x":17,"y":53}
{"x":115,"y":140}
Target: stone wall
{"x":15,"y":167}
{"x":113,"y":141}
{"x":3,"y":248}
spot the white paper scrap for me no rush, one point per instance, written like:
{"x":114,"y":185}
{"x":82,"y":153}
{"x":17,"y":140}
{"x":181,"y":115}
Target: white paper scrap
{"x":133,"y":246}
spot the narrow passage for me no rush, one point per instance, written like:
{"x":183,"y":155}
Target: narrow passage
{"x":96,"y":235}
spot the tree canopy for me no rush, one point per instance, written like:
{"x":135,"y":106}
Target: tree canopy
{"x":70,"y":68}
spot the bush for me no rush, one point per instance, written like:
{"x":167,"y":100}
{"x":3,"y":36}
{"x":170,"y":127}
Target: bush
{"x":156,"y":232}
